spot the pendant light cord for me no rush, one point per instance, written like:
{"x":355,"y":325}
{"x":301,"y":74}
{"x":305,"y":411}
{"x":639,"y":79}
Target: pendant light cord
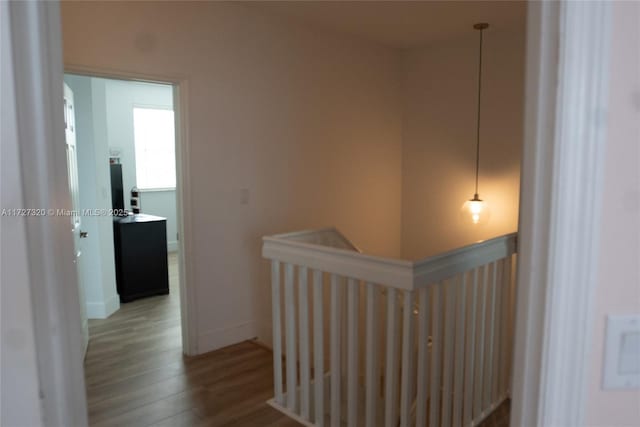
{"x":478,"y":118}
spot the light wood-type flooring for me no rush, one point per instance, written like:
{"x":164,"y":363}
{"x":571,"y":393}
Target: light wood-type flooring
{"x":136,"y":375}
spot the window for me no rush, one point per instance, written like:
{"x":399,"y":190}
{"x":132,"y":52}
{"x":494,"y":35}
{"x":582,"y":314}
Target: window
{"x":154,"y":137}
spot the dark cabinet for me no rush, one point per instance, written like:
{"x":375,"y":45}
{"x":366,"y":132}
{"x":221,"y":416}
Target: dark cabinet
{"x":141,"y":256}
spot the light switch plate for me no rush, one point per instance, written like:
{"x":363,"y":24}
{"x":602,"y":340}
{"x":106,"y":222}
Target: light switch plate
{"x":622,"y":353}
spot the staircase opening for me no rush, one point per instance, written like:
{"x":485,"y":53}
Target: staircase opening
{"x":367,"y":340}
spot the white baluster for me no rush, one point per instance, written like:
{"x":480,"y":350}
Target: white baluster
{"x":498,"y":338}
{"x":436,"y":353}
{"x":303,"y":315}
{"x":489,"y":339}
{"x":277,"y":331}
{"x":510,"y":324}
{"x":423,"y":355}
{"x":458,"y":378}
{"x":449,"y":328}
{"x":318,"y":348}
{"x":479,"y":368}
{"x":408,"y":371}
{"x":470,"y":351}
{"x":372,"y":379}
{"x":504,"y":384}
{"x":353,"y":310}
{"x":391,"y":372}
{"x":336,"y":370}
{"x":290,"y":328}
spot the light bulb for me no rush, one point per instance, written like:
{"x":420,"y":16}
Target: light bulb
{"x":475,"y":211}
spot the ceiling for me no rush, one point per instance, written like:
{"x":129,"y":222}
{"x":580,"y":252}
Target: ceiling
{"x":401,"y":24}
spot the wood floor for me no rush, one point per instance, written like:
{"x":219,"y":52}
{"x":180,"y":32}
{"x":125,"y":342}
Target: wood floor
{"x":137,"y":376}
{"x":499,"y":417}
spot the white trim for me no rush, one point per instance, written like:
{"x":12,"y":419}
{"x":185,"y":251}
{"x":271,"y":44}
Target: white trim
{"x":102,"y":310}
{"x":568,"y":48}
{"x":37,"y":61}
{"x":223,"y":337}
{"x":19,"y":365}
{"x":396,"y":273}
{"x":577,"y":186}
{"x":389,"y":272}
{"x":439,"y":267}
{"x":535,"y":187}
{"x":152,"y":106}
{"x":188,"y":297}
{"x":173,"y":246}
{"x":112,"y":305}
{"x":156,"y":189}
{"x":95,"y":310}
{"x":184,"y":211}
{"x":325,"y":383}
{"x":327,"y":236}
{"x":289,"y":413}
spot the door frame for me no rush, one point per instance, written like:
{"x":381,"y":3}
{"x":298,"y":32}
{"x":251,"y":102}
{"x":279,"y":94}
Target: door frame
{"x":180,"y":87}
{"x":36,"y":59}
{"x":568,"y":56}
{"x":37,"y":62}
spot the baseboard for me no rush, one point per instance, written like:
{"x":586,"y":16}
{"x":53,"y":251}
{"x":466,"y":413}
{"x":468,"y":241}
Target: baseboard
{"x":112,"y":305}
{"x":257,"y":341}
{"x":172,"y":246}
{"x":95,"y":310}
{"x":102,"y":310}
{"x":224,"y":337}
{"x":275,"y":405}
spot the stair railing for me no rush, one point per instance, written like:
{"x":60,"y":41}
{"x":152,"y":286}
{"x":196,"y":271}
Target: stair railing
{"x":373,"y":341}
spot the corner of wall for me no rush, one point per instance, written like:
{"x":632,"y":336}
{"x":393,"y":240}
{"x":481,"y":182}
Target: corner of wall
{"x":223,"y":337}
{"x":103,"y":309}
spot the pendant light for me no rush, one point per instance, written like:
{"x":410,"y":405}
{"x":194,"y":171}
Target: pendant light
{"x":476,"y":210}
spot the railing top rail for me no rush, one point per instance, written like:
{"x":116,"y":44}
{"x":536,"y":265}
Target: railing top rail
{"x":397,"y":273}
{"x":510,"y":238}
{"x":442,"y":266}
{"x":328,"y":236}
{"x":370,"y":268}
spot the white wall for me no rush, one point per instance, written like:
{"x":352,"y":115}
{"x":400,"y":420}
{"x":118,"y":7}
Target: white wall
{"x":19,"y":383}
{"x":439,"y":139}
{"x":102,"y":172}
{"x":98,"y":272}
{"x":163,"y":203}
{"x":308,"y":122}
{"x":618,"y":285}
{"x":121,"y":98}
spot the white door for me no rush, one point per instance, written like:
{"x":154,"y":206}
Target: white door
{"x":78,"y":234}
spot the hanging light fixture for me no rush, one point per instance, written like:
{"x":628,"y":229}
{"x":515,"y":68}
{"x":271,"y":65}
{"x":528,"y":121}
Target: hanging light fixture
{"x":476,"y":210}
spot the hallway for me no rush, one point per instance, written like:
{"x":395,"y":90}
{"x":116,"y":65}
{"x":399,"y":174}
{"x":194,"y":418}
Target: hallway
{"x":136,"y":374}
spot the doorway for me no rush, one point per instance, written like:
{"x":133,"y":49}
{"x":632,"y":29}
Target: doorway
{"x":128,"y":179}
